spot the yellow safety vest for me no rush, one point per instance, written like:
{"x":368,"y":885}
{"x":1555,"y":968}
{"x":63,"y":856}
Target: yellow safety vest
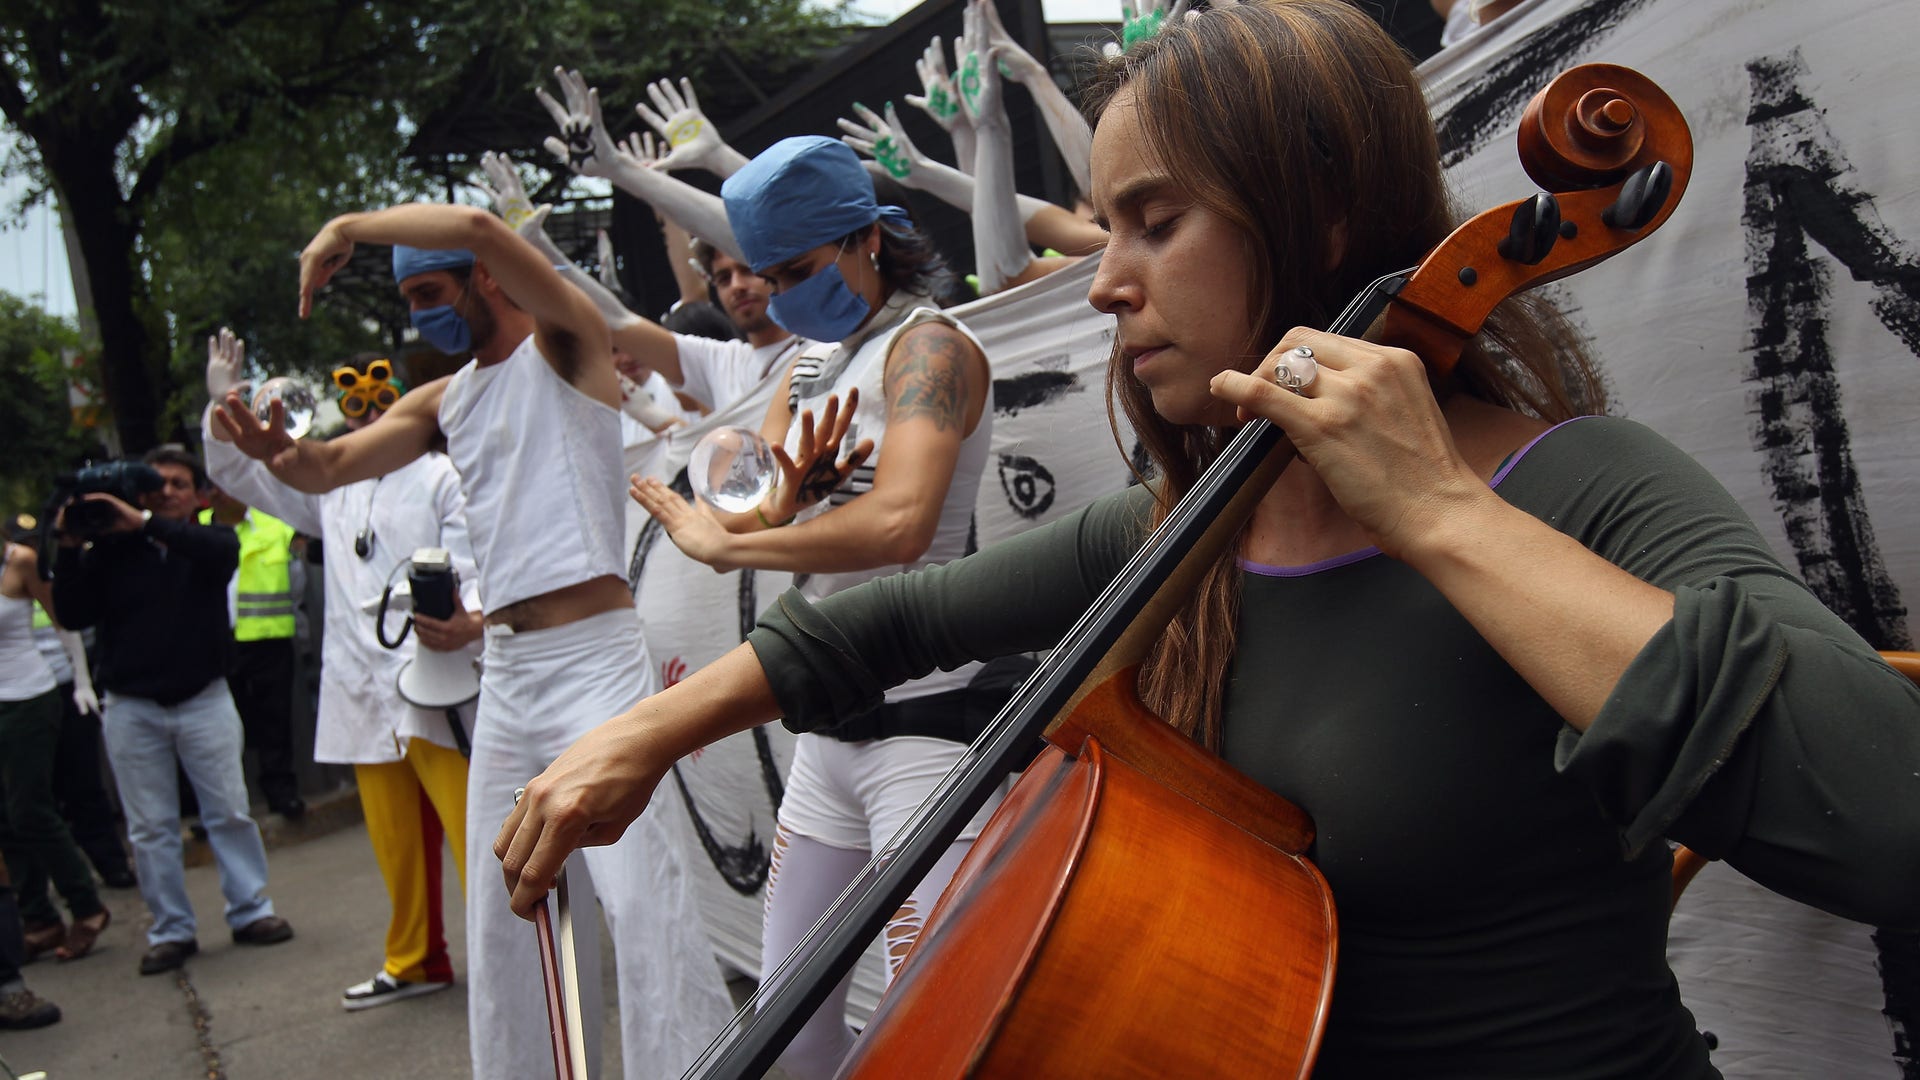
{"x":264,"y":601}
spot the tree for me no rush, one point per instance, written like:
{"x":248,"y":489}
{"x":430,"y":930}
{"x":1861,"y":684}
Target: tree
{"x":195,"y":144}
{"x":38,"y":439}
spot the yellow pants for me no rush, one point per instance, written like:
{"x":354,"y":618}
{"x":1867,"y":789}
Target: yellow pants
{"x":410,"y":805}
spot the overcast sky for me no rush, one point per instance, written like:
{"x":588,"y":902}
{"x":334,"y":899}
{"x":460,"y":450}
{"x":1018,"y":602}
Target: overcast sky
{"x":33,"y":258}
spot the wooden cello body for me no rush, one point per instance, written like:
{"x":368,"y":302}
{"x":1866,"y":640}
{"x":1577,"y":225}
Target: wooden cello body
{"x":1094,"y":864}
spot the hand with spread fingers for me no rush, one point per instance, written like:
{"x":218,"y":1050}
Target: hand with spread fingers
{"x":811,"y":473}
{"x":226,"y":364}
{"x":885,"y":140}
{"x":584,"y":145}
{"x":589,"y":150}
{"x":1365,"y":418}
{"x":503,"y":188}
{"x":940,"y":99}
{"x":691,"y":525}
{"x":262,"y":440}
{"x":692,"y":140}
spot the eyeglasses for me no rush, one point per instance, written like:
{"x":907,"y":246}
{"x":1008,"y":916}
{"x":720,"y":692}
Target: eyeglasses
{"x":374,"y":388}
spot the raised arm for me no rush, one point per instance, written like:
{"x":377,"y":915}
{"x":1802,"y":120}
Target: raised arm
{"x":887,"y":142}
{"x":588,"y":149}
{"x":569,"y":330}
{"x":692,"y":140}
{"x":640,"y":337}
{"x":1071,"y":135}
{"x":1000,"y":248}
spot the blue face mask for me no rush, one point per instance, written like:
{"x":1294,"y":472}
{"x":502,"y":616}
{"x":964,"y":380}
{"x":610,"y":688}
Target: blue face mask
{"x":444,"y":329}
{"x":822,"y":308}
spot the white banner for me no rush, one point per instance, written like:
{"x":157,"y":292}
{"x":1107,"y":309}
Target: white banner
{"x":1771,"y":329}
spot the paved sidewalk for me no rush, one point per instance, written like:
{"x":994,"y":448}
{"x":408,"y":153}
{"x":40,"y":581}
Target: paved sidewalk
{"x":251,"y":1013}
{"x":265,"y":1013}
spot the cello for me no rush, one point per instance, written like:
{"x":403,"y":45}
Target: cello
{"x":1016,"y":972}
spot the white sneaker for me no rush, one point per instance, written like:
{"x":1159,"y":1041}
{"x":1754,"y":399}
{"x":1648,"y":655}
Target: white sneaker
{"x":384,"y":989}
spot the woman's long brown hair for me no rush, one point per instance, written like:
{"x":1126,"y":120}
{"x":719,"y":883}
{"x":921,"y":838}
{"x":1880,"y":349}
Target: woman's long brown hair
{"x":1288,"y":118}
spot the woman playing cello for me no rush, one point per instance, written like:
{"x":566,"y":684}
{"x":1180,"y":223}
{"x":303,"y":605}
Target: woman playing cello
{"x":1498,"y":650}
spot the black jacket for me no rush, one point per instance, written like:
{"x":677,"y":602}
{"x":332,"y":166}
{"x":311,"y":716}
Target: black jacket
{"x":159,"y":598}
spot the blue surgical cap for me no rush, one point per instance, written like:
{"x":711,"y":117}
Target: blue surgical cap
{"x":798,"y":194}
{"x":408,"y":261}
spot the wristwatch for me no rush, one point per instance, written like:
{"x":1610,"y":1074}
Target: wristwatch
{"x":145,"y":516}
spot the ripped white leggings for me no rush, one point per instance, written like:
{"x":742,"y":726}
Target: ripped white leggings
{"x":844,"y":801}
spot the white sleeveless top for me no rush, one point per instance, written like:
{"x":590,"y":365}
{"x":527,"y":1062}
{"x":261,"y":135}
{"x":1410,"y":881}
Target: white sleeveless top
{"x":861,"y":361}
{"x":24,"y":673}
{"x":540,"y":464}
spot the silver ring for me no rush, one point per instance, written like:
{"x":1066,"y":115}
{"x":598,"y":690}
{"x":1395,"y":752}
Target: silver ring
{"x":1296,"y":370}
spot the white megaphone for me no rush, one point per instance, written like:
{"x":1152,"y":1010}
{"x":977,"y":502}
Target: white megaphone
{"x":432,"y":679}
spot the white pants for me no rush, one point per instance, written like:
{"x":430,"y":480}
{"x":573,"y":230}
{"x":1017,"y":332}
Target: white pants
{"x":845,"y":801}
{"x":540,"y":692}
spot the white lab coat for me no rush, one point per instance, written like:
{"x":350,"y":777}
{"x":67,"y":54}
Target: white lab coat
{"x":362,"y":719}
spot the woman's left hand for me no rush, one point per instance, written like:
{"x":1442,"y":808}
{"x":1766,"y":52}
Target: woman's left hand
{"x":1369,"y":426}
{"x":690,"y":525}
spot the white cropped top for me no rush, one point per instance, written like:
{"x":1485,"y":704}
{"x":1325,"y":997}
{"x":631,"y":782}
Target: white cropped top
{"x":540,"y":463}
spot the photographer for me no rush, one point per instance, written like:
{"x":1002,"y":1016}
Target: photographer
{"x":155,"y":584}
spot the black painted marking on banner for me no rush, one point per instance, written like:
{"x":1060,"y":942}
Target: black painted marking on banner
{"x":742,"y":866}
{"x":1032,"y":390}
{"x":1797,"y":188}
{"x":1027,"y":484}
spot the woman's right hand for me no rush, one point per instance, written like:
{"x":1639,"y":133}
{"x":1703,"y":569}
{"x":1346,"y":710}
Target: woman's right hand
{"x":812,"y":474}
{"x":586,"y":798}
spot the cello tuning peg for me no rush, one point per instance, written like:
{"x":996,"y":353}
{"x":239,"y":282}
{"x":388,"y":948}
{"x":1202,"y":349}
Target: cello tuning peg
{"x":1641,"y":198}
{"x":1535,"y":228}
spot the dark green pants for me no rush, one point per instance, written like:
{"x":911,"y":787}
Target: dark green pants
{"x":33,"y":838}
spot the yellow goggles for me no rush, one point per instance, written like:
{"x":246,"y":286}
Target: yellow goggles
{"x":375,"y":388}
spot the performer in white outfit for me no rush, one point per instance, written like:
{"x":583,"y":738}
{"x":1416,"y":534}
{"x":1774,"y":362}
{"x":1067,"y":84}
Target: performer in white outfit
{"x":532,"y":426}
{"x":856,"y":278}
{"x":409,"y":763}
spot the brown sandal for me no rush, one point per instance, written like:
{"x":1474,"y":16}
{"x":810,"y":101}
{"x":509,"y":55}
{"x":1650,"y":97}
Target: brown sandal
{"x":83,"y":933}
{"x":46,"y":938}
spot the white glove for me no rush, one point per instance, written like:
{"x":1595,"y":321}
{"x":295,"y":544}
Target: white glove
{"x":637,"y":403}
{"x":1071,"y":135}
{"x":609,"y":273}
{"x":695,"y":143}
{"x":590,"y":151}
{"x":941,"y":100}
{"x":226,"y":364}
{"x":886,"y":142}
{"x":1000,"y":248}
{"x":83,"y":696}
{"x":503,"y":188}
{"x":906,"y":163}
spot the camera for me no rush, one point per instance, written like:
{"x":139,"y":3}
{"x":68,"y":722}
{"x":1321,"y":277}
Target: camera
{"x":127,"y":481}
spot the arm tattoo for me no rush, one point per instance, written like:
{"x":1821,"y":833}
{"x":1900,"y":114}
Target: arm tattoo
{"x":929,"y":379}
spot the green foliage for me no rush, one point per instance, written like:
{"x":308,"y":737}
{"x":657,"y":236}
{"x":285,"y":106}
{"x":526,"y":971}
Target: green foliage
{"x":38,"y":438}
{"x":232,"y":129}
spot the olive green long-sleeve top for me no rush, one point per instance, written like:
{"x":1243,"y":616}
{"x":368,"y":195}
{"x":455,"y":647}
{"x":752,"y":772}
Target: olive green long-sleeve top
{"x":1501,"y":879}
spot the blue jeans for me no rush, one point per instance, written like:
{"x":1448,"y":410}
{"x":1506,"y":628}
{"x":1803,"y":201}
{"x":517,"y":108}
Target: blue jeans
{"x":143,"y":739}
